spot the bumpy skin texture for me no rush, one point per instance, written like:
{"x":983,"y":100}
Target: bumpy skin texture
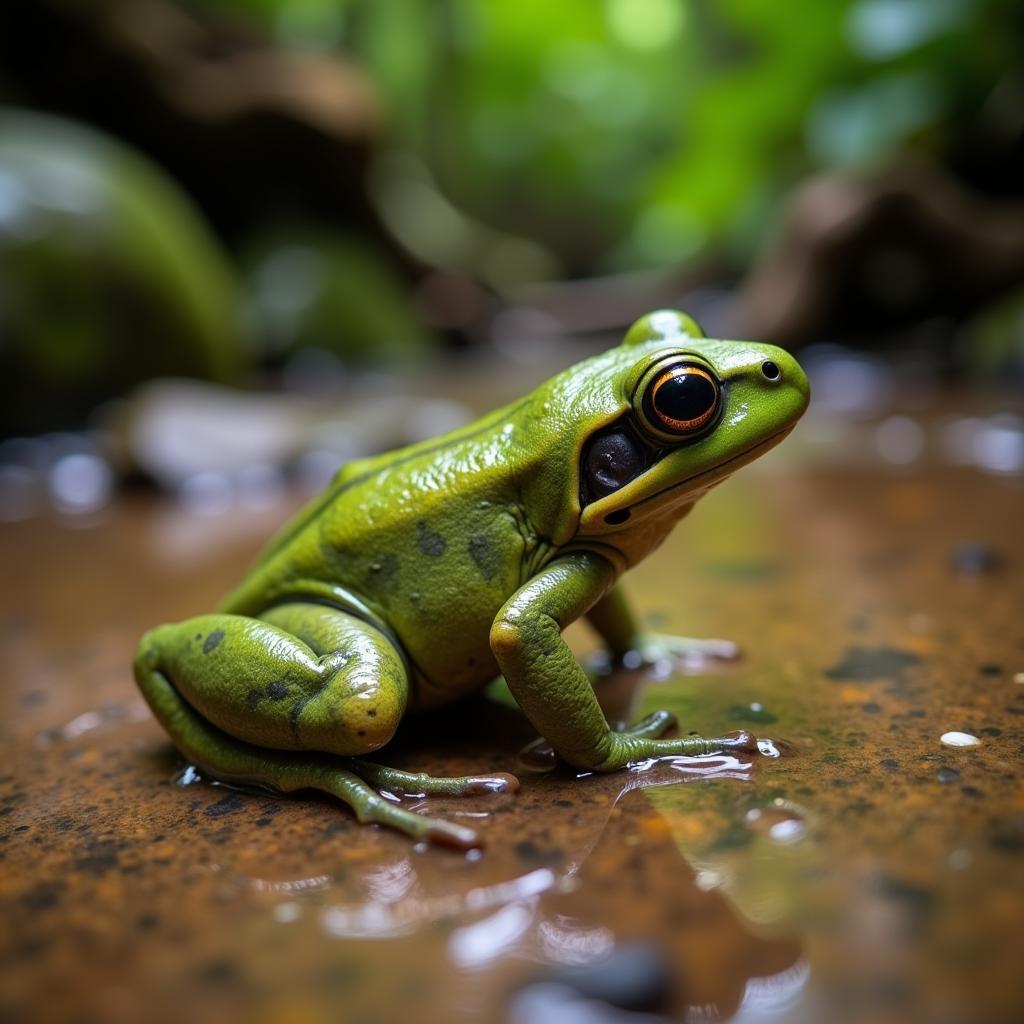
{"x":421,"y":574}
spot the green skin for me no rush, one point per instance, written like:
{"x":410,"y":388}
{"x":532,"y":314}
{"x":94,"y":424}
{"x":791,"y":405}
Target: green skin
{"x":421,"y":575}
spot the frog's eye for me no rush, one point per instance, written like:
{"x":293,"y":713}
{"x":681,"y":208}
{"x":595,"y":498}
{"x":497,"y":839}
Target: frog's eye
{"x":681,"y":399}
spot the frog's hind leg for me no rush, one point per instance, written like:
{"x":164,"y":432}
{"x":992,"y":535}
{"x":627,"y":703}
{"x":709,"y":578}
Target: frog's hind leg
{"x":263,"y":701}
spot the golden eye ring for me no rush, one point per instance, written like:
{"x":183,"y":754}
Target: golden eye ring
{"x":682,"y":399}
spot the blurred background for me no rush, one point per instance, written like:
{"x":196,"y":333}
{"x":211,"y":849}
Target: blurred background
{"x":244,"y":240}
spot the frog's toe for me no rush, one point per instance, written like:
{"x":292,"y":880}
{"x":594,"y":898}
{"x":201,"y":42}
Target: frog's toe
{"x":446,"y":833}
{"x":392,"y":780}
{"x":500,"y":782}
{"x":742,"y":740}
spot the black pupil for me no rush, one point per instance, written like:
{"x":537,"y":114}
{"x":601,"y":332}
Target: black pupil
{"x":687,"y":396}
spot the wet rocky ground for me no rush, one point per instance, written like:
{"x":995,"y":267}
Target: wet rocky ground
{"x":870,"y":872}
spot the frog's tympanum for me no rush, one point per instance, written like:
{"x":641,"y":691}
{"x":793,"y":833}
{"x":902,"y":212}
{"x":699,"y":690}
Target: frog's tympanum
{"x":421,"y":575}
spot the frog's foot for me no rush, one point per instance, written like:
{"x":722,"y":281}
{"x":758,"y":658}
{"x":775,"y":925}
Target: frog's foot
{"x":369,"y":806}
{"x":392,"y":780}
{"x":642,"y":742}
{"x":681,"y":652}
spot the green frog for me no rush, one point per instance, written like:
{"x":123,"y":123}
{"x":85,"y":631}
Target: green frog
{"x":421,"y":575}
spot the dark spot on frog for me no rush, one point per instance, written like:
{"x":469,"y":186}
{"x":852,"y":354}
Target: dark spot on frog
{"x":225,"y":805}
{"x":429,"y":541}
{"x":252,"y":699}
{"x":371,"y":712}
{"x":277,"y":691}
{"x":871,"y":708}
{"x":147,"y":922}
{"x":888,"y":762}
{"x":484,"y":555}
{"x":990,"y":669}
{"x":213,"y":641}
{"x":563,"y":803}
{"x":946,"y":775}
{"x":866,"y":663}
{"x":360,"y":732}
{"x":530,"y":853}
{"x":991,"y":730}
{"x":199,"y":636}
{"x":971,"y":791}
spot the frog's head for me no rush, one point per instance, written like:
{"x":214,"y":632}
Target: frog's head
{"x":665,"y":416}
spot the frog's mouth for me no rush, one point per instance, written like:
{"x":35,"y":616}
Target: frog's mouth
{"x":616,"y":506}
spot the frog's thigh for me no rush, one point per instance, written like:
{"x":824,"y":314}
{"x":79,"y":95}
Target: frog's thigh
{"x":302,"y":677}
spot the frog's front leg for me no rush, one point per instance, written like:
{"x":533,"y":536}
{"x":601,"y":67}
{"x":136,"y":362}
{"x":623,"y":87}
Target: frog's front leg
{"x":551,"y":686}
{"x":269,"y":700}
{"x":627,"y":642}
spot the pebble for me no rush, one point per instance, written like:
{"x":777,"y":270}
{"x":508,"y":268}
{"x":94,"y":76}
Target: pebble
{"x":959,"y":739}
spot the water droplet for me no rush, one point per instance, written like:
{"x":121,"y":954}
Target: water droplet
{"x":959,"y":739}
{"x":768,"y":747}
{"x":789,"y":831}
{"x":782,"y":822}
{"x":188,"y":776}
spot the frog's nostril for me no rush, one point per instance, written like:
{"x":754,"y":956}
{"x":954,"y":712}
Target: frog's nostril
{"x":771,"y":371}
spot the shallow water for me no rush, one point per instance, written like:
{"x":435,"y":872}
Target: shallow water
{"x":870,"y":872}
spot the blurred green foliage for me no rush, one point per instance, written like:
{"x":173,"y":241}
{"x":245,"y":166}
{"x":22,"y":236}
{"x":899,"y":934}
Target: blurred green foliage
{"x":623,"y":134}
{"x":310,"y":288}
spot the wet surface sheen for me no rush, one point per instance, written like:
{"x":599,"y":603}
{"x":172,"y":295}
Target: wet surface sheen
{"x":870,"y":872}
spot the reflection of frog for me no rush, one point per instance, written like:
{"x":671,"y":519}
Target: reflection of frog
{"x":421,"y":574}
